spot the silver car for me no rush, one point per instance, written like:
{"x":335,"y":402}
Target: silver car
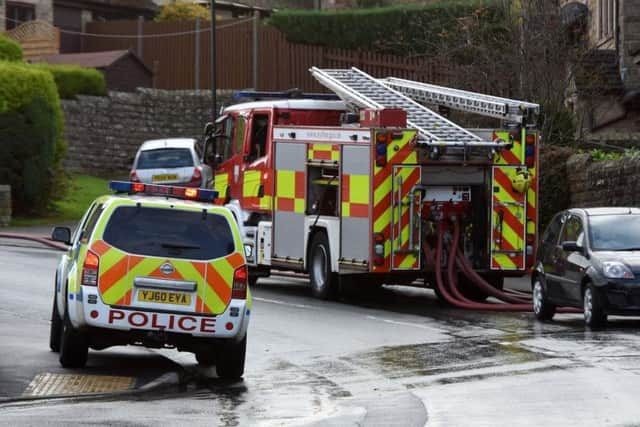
{"x":174,"y":161}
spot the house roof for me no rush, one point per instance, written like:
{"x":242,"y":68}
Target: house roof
{"x":92,"y":59}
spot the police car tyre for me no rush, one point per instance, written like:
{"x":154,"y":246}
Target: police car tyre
{"x":542,"y":308}
{"x":323,"y":281}
{"x":253,"y":280}
{"x":55,"y":330}
{"x":230,"y":361}
{"x":594,"y":314}
{"x":73,"y":346}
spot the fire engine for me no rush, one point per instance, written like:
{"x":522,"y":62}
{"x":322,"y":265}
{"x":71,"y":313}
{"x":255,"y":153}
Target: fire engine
{"x":371,"y":185}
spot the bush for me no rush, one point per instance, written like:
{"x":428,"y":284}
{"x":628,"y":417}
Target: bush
{"x":72,"y":80}
{"x":31,"y":135}
{"x":180,"y":11}
{"x":401,"y":29}
{"x":10,"y":50}
{"x":553,"y":183}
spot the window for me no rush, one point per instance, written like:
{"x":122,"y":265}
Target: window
{"x":165,"y":158}
{"x":17,"y":13}
{"x":91,"y":224}
{"x":553,"y":230}
{"x":259,"y":131}
{"x":573,"y":231}
{"x":169,"y":233}
{"x":606,"y":18}
{"x":239,"y":141}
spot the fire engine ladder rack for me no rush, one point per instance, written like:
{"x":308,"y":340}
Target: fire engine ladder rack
{"x":511,"y":110}
{"x":360,"y":89}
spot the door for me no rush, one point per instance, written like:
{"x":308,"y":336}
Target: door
{"x":406,"y":219}
{"x":508,"y":220}
{"x":256,"y":161}
{"x":572,"y":263}
{"x":227,"y":152}
{"x":549,"y":253}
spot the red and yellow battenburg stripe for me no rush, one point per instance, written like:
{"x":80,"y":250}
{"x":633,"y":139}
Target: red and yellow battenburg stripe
{"x":253,"y":181}
{"x":355,"y":196}
{"x":290,"y":191}
{"x":323,"y":152}
{"x":400,"y":151}
{"x":118,"y":270}
{"x":221,"y":184}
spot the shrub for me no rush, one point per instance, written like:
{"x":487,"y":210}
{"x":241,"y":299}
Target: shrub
{"x":181,"y":11}
{"x":31,"y":135}
{"x":72,"y":80}
{"x":553,"y":183}
{"x":10,"y":50}
{"x":400,"y":29}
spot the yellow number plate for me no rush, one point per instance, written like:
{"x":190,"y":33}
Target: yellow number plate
{"x":167,"y":177}
{"x":164,"y":297}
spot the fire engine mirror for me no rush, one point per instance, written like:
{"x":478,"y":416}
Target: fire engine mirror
{"x":61,"y":234}
{"x":208,"y":128}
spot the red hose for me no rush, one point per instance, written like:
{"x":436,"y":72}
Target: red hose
{"x":40,"y":239}
{"x":462,"y":304}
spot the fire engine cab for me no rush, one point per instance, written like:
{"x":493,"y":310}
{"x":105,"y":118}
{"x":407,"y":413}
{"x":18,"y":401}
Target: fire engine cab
{"x":371,"y":184}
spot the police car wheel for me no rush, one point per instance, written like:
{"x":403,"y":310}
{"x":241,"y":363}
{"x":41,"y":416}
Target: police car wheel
{"x":323,"y":281}
{"x":55,"y":330}
{"x":73,"y":346}
{"x":230,"y":362}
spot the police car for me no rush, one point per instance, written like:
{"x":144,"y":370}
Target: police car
{"x":156,"y":266}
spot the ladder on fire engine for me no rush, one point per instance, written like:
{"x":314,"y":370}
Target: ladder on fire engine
{"x":511,"y":110}
{"x":358,"y":88}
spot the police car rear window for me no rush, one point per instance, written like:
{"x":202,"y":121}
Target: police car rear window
{"x":169,"y":233}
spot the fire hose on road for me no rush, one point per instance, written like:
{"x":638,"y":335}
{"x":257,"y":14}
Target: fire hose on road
{"x":449,"y":289}
{"x":40,"y":239}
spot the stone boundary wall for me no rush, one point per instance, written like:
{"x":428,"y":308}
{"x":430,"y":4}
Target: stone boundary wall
{"x":104,"y":133}
{"x":603,"y":183}
{"x":5,"y":205}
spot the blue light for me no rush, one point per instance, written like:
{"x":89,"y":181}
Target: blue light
{"x":381,"y":149}
{"x":120,"y":186}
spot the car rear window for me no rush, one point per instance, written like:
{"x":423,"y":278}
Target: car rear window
{"x":615,"y":232}
{"x":165,"y":158}
{"x":170,"y":233}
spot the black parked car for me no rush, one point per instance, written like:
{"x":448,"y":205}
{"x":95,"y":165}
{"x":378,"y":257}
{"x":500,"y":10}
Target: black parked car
{"x":589,"y":258}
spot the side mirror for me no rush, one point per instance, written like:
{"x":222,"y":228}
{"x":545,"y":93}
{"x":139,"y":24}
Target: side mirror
{"x":570,"y":246}
{"x":61,"y":234}
{"x":208,"y":128}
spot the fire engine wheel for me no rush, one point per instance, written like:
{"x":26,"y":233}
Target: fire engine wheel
{"x":323,"y":281}
{"x":55,"y":331}
{"x":73,"y":346}
{"x":230,"y":361}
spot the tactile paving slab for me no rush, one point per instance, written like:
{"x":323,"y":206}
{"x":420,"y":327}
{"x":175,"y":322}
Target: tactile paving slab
{"x":48,"y":384}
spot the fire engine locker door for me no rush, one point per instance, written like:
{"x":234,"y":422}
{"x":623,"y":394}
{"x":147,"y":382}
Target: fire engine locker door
{"x":406,"y":220}
{"x":508,"y":220}
{"x":289,"y":203}
{"x":355,"y":202}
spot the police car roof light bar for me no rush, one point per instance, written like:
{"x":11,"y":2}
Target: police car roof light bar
{"x":186,"y":193}
{"x":287,"y":94}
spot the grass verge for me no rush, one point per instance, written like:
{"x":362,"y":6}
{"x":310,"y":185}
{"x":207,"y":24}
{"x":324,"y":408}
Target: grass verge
{"x":83,"y":189}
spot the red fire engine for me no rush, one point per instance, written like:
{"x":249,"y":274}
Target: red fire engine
{"x":371,"y":185}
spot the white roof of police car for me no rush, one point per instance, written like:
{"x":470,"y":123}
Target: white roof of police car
{"x":155,"y":144}
{"x":291,"y":104}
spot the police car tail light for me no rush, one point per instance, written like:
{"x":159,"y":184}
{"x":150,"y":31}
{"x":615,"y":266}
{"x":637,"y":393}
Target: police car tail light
{"x":240,"y":279}
{"x":90,"y":269}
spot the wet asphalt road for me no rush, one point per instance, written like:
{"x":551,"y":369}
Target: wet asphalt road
{"x":396,"y":357}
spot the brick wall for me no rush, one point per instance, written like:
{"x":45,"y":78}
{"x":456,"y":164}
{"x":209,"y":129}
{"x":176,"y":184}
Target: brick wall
{"x":603,"y":183}
{"x":104,"y":133}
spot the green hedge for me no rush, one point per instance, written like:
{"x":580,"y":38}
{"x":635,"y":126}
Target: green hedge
{"x":31,"y":135}
{"x":73,"y":80}
{"x":10,"y":50}
{"x":402,"y":29}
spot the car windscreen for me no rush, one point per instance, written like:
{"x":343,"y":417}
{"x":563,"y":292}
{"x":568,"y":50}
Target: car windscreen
{"x":165,"y":158}
{"x":170,"y":233}
{"x":614,"y":232}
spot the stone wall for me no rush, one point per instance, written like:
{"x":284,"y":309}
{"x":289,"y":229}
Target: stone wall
{"x":5,"y":205}
{"x":603,"y":183}
{"x":104,"y":132}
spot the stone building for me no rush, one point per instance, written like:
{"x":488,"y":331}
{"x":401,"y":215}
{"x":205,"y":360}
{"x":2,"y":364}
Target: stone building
{"x":606,"y":93}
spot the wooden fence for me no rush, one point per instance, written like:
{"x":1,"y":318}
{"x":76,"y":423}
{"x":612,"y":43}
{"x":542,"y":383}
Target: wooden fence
{"x":180,"y":56}
{"x":37,"y":38}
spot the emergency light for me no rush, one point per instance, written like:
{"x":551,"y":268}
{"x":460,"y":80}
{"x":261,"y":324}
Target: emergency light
{"x":187,"y":193}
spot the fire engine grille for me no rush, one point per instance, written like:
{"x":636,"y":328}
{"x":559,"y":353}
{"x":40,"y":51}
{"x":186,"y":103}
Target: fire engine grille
{"x":48,"y":384}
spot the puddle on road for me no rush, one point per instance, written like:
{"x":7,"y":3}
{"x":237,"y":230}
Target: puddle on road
{"x":452,"y":356}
